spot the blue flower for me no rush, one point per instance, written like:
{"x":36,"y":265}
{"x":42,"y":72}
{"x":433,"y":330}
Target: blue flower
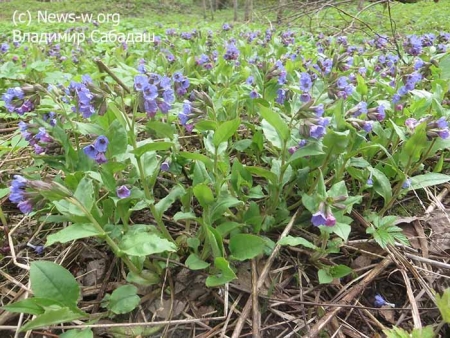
{"x":317,"y":131}
{"x":123,"y":192}
{"x":140,"y":82}
{"x":367,"y":126}
{"x":90,"y":151}
{"x":232,"y":52}
{"x":318,"y":219}
{"x":254,"y":94}
{"x":444,"y":133}
{"x":379,"y":301}
{"x":406,"y":184}
{"x":150,"y":92}
{"x":281,"y":96}
{"x":101,"y":144}
{"x":305,"y":82}
{"x":442,"y":123}
{"x":165,"y":166}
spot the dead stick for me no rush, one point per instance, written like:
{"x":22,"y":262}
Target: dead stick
{"x":354,"y":292}
{"x":412,"y":301}
{"x":256,"y":315}
{"x":262,"y":278}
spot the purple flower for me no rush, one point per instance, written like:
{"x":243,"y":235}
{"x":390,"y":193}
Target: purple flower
{"x":330,"y":220}
{"x":419,"y":64}
{"x":444,"y":133}
{"x":177,"y":77}
{"x":317,"y":131}
{"x":123,"y":191}
{"x":4,"y":47}
{"x":90,"y":151}
{"x":232,"y":52}
{"x":319,"y":110}
{"x":250,"y":80}
{"x":442,"y":123}
{"x":406,"y":184}
{"x":254,"y":94}
{"x":305,"y":82}
{"x":165,"y":166}
{"x":379,"y":301}
{"x":281,"y":96}
{"x":318,"y":219}
{"x":305,"y":97}
{"x":43,"y":136}
{"x":369,"y":181}
{"x":292,"y":149}
{"x":150,"y":92}
{"x":411,"y":123}
{"x":168,"y":96}
{"x":367,"y":126}
{"x":140,"y":82}
{"x":101,"y":143}
{"x":302,"y":143}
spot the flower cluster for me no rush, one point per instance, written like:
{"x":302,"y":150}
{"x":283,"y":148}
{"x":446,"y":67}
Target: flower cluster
{"x":83,"y":96}
{"x":15,"y":101}
{"x":438,"y":128}
{"x":36,"y":137}
{"x":20,"y":196}
{"x":413,"y":45}
{"x":204,"y":61}
{"x":232,"y":52}
{"x":156,"y":92}
{"x":305,"y":87}
{"x":324,"y":216}
{"x":97,"y":150}
{"x":410,"y":84}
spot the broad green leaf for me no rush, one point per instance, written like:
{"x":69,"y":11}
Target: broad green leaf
{"x":118,"y":139}
{"x":52,"y":317}
{"x":276,"y":121}
{"x":167,"y":201}
{"x":443,"y":303}
{"x":270,"y":176}
{"x":225,"y":131}
{"x":342,"y":230}
{"x":162,"y":129}
{"x":324,"y":276}
{"x":52,"y":281}
{"x":222,"y":205}
{"x":336,"y":141}
{"x":143,"y":244}
{"x":424,"y":332}
{"x":246,"y":246}
{"x":311,"y":149}
{"x":428,"y":180}
{"x":444,"y":66}
{"x":225,"y":274}
{"x":194,"y":262}
{"x":72,"y":232}
{"x":89,"y":128}
{"x":204,"y":194}
{"x":33,"y":306}
{"x":339,"y":271}
{"x":198,"y":157}
{"x":85,"y":195}
{"x":154,"y":146}
{"x":124,"y":299}
{"x":270,"y":134}
{"x":294,"y":241}
{"x":381,"y":184}
{"x":86,"y":333}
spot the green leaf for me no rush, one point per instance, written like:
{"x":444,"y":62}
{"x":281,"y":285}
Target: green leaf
{"x":246,"y":246}
{"x":85,"y":195}
{"x":124,"y":299}
{"x":225,"y":274}
{"x":270,"y":134}
{"x":381,"y":184}
{"x":167,"y":201}
{"x":118,"y":139}
{"x":225,"y":131}
{"x":198,"y":157}
{"x":270,"y":176}
{"x":339,"y":271}
{"x":428,"y":180}
{"x":154,"y":146}
{"x":276,"y":122}
{"x":52,"y":281}
{"x":294,"y":241}
{"x":204,"y":194}
{"x":342,"y":230}
{"x":144,"y":243}
{"x":162,"y":129}
{"x":443,"y":303}
{"x":324,"y":276}
{"x":194,"y":262}
{"x":444,"y":66}
{"x":336,"y":142}
{"x":52,"y":317}
{"x":72,"y":232}
{"x":86,"y":333}
{"x":222,"y":205}
{"x":89,"y":128}
{"x":34,"y":306}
